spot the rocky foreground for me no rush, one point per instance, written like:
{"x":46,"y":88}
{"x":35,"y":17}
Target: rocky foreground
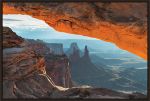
{"x":31,"y":71}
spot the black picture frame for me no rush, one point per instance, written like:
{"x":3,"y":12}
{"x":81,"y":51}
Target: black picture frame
{"x":1,"y":49}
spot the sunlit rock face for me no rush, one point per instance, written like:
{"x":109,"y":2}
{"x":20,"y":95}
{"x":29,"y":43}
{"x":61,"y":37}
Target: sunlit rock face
{"x":124,"y":24}
{"x":21,"y":79}
{"x":23,"y":63}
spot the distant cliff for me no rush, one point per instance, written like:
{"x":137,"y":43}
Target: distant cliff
{"x":84,"y":71}
{"x":56,"y":48}
{"x":73,"y":48}
{"x":24,"y":60}
{"x":29,"y":73}
{"x":38,"y":46}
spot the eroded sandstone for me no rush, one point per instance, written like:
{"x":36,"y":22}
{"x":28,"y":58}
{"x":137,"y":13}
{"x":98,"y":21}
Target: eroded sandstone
{"x":124,"y":24}
{"x":23,"y":64}
{"x":23,"y":67}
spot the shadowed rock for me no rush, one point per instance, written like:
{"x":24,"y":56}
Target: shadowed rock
{"x":22,"y":76}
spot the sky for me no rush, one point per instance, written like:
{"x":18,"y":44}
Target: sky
{"x":31,"y":28}
{"x":24,"y":25}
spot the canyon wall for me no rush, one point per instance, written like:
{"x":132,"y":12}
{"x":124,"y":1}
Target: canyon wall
{"x":23,"y":69}
{"x":124,"y":24}
{"x":23,"y":63}
{"x":56,"y":48}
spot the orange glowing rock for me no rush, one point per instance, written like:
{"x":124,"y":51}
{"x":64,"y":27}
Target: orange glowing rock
{"x":124,"y":24}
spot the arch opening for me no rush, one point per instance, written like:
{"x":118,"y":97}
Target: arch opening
{"x":126,"y":27}
{"x":96,"y":53}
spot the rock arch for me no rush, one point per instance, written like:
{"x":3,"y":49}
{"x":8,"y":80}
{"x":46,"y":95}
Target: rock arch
{"x":124,"y":24}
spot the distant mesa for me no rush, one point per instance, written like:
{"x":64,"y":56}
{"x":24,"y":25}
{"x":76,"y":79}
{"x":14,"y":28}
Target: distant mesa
{"x":56,"y":48}
{"x":75,"y":53}
{"x":75,"y":56}
{"x":22,"y":80}
{"x":38,"y":46}
{"x":73,"y":47}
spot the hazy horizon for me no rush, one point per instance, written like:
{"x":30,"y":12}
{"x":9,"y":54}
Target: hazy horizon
{"x":23,"y":25}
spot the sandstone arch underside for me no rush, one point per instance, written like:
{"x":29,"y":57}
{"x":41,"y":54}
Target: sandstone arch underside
{"x":124,"y":24}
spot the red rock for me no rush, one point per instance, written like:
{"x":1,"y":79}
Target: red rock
{"x":21,"y":79}
{"x":124,"y":24}
{"x":10,"y":39}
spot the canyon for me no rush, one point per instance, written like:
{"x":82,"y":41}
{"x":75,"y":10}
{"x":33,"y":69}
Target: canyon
{"x":24,"y":62}
{"x":93,"y":70}
{"x":119,"y":23}
{"x":30,"y":70}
